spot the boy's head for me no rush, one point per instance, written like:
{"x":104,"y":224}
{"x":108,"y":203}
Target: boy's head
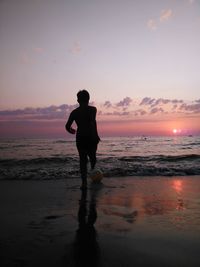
{"x":83,"y":97}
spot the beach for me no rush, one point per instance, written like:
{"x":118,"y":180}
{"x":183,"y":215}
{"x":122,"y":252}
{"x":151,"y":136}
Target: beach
{"x":125,"y":221}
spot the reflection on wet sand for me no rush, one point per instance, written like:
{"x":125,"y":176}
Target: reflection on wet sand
{"x":128,"y":217}
{"x":86,"y":250}
{"x":125,"y":207}
{"x":177,"y":185}
{"x":138,"y":219}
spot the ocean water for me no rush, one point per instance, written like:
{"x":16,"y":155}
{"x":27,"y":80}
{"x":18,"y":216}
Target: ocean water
{"x":118,"y":156}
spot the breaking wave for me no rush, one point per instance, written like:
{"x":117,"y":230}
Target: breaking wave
{"x":45,"y":168}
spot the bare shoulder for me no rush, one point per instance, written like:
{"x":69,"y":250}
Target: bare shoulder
{"x":93,"y":109}
{"x":75,"y":111}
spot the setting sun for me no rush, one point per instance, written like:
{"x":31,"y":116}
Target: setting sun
{"x":176,"y":131}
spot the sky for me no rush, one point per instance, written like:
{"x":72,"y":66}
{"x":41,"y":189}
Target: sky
{"x":139,"y":60}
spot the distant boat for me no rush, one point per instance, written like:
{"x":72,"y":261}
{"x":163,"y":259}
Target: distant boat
{"x":190,"y":135}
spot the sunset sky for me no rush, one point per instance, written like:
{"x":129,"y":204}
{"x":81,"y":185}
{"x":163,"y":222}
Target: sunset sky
{"x":139,"y":59}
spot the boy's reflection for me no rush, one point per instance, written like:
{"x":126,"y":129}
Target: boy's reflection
{"x":86,"y":249}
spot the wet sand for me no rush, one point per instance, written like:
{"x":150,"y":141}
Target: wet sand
{"x":145,"y":221}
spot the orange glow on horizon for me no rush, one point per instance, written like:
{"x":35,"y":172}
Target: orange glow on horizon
{"x":149,"y":126}
{"x":157,"y":127}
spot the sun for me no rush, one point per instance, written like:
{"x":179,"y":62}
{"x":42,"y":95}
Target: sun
{"x":176,"y":131}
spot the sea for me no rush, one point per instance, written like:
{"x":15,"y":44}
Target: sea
{"x":52,"y":159}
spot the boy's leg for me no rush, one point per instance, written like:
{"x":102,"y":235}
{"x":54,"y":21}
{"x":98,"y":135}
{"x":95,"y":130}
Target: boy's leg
{"x":92,"y":155}
{"x":83,"y":165}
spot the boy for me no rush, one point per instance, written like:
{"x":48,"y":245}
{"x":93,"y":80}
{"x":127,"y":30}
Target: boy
{"x":87,"y":137}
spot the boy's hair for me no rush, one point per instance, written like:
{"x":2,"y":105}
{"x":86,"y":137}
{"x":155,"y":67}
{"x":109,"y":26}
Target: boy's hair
{"x":83,"y":96}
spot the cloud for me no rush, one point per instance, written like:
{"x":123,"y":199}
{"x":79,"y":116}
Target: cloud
{"x":151,"y":24}
{"x":146,"y":107}
{"x":194,"y":108}
{"x":165,"y":15}
{"x":76,"y":48}
{"x":149,"y":106}
{"x":116,"y":113}
{"x":174,"y":107}
{"x":140,"y":112}
{"x":160,"y":101}
{"x":156,"y":110}
{"x":125,"y":102}
{"x":147,"y":101}
{"x":107,"y":104}
{"x":28,"y":57}
{"x":176,"y":101}
{"x":47,"y":113}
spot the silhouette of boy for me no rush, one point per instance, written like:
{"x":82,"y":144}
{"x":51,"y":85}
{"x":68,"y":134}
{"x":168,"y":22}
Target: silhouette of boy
{"x":87,"y":137}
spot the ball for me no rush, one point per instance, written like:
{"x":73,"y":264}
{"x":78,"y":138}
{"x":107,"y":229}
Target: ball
{"x":96,"y":176}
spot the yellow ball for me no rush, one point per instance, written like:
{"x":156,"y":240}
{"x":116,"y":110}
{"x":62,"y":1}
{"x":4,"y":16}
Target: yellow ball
{"x":96,"y":176}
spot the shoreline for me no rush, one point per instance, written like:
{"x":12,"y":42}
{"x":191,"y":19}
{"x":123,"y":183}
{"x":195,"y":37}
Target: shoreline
{"x":67,"y":178}
{"x":141,"y":221}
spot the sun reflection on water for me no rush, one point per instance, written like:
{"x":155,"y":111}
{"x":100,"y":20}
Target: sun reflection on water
{"x":163,"y":202}
{"x":178,"y":186}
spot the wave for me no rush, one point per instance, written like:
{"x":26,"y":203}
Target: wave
{"x":61,"y":167}
{"x":64,"y":141}
{"x":39,"y":160}
{"x":161,"y":158}
{"x":140,"y":170}
{"x":63,"y":159}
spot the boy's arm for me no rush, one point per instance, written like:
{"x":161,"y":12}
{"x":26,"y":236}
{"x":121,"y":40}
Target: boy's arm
{"x":95,"y":125}
{"x":69,"y":124}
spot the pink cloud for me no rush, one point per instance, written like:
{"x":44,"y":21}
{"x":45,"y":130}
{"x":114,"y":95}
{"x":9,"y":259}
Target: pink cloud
{"x":151,"y":24}
{"x":194,"y":108}
{"x":156,"y":110}
{"x":165,"y":15}
{"x":147,"y":101}
{"x":42,"y":120}
{"x":107,"y":104}
{"x":125,"y":102}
